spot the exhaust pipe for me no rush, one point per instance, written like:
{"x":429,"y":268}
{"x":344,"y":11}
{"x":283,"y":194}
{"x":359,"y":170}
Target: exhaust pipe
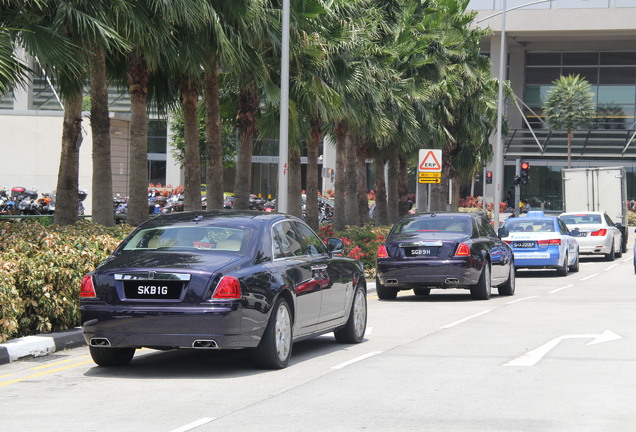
{"x":100,"y":342}
{"x":391,"y":281}
{"x":451,"y":281}
{"x":204,"y":344}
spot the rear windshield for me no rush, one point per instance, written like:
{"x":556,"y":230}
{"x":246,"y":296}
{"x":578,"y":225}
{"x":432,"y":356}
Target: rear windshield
{"x":218,"y":238}
{"x":450,"y":224}
{"x":530,"y":225}
{"x":581,"y":219}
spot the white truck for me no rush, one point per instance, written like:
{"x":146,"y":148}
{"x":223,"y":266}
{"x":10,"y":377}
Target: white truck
{"x":598,"y":189}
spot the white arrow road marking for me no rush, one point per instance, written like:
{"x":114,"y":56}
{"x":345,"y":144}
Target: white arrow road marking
{"x":533,"y":357}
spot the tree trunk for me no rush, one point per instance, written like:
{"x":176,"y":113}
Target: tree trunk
{"x":363,"y":190}
{"x":569,"y":149}
{"x":192,"y":163}
{"x":66,"y":192}
{"x":381,"y":214}
{"x":403,"y":187}
{"x":352,"y":216}
{"x":294,"y":188}
{"x":213,"y":143}
{"x":246,"y":119}
{"x":102,"y":190}
{"x":138,"y":163}
{"x":339,"y":184}
{"x":392,"y":188}
{"x":311,"y":209}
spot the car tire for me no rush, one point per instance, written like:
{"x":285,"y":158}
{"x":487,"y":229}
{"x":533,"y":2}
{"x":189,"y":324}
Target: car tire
{"x":421,"y":291}
{"x":575,"y":267}
{"x":483,"y":289}
{"x":508,"y":287}
{"x":611,"y":256}
{"x":563,"y":270}
{"x":353,"y":331}
{"x":384,"y":292}
{"x":275,"y":347}
{"x":619,"y":253}
{"x":108,"y":357}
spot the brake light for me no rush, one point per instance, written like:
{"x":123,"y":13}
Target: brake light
{"x":551,"y":242}
{"x":382,"y":252}
{"x":228,"y":288}
{"x":86,"y":289}
{"x":600,"y":233}
{"x":462,"y":250}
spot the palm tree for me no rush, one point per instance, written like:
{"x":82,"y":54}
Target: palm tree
{"x":569,"y":106}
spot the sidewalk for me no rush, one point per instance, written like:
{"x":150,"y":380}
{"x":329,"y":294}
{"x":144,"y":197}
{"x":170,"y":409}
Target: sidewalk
{"x":41,"y":345}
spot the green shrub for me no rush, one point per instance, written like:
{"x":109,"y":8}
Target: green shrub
{"x":42,"y":268}
{"x":361,"y":243}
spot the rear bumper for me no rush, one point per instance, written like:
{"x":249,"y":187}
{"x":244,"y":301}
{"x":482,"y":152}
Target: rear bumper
{"x":167,"y":327}
{"x":433,"y":273}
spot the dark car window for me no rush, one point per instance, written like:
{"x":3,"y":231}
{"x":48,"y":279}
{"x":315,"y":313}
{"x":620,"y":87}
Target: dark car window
{"x":563,"y":227}
{"x":608,"y":220}
{"x":530,"y":225}
{"x":194,"y":237}
{"x":286,"y":241}
{"x":485,"y":229}
{"x":313,"y":243}
{"x":438,"y":223}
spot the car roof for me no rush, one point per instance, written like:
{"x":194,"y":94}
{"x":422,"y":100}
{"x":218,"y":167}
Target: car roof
{"x":249,"y":217}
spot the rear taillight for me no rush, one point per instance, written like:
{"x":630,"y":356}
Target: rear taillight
{"x":86,"y":289}
{"x":551,"y":242}
{"x":462,"y":250}
{"x":228,"y":288}
{"x":382,"y":252}
{"x":600,"y":233}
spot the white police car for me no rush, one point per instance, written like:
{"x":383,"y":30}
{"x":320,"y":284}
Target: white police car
{"x":541,"y":242}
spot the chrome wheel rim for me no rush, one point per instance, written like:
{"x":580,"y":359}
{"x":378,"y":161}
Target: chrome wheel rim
{"x":359,"y":313}
{"x":283,"y":332}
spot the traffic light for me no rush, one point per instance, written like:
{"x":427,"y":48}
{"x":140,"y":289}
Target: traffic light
{"x":488,"y":177}
{"x":525,"y":175}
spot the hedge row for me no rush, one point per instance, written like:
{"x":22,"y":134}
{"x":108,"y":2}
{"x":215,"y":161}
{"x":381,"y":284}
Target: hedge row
{"x":41,"y":268}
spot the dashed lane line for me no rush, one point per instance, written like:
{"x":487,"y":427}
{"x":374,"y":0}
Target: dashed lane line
{"x":5,"y":383}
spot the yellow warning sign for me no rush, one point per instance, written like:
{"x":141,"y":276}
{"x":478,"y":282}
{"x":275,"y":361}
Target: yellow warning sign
{"x":428,"y":174}
{"x":429,"y":180}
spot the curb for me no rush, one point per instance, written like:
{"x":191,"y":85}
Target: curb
{"x":41,"y":345}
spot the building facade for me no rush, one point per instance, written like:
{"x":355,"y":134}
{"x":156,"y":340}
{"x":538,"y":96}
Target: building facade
{"x":544,"y":40}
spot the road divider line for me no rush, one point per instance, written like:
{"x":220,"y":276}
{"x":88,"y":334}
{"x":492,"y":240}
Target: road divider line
{"x":590,"y":276}
{"x":561,"y":289}
{"x":194,"y":425}
{"x":368,"y":331}
{"x":39,"y":374}
{"x":523,"y":299}
{"x":6,"y":376}
{"x":46,"y":366}
{"x":355,"y":360}
{"x":467,"y":318}
{"x":611,"y":267}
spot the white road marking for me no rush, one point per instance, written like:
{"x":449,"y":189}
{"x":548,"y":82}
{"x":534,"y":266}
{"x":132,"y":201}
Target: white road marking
{"x":523,"y":299}
{"x":562,"y":288}
{"x":355,"y":360}
{"x":194,"y":425}
{"x":368,"y":331}
{"x":590,"y":276}
{"x":531,"y":358}
{"x":611,"y":267}
{"x":466,"y":319}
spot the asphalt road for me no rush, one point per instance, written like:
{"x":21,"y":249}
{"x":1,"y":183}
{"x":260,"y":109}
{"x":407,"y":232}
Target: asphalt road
{"x":560,"y":355}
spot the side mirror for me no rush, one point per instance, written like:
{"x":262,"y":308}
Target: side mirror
{"x":335,"y":245}
{"x":618,"y":225}
{"x":575,"y":232}
{"x":503,"y":232}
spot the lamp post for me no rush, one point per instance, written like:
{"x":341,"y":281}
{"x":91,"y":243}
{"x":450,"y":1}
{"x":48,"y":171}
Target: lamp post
{"x":283,"y":142}
{"x":498,"y":150}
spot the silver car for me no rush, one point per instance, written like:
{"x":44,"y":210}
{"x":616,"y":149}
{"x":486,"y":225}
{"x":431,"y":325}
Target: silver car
{"x":595,"y":232}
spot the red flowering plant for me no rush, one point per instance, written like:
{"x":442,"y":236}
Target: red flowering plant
{"x":361,"y":243}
